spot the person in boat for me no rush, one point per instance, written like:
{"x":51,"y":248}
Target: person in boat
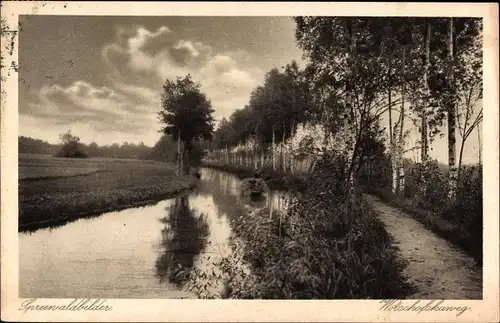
{"x":195,"y":172}
{"x":254,"y":185}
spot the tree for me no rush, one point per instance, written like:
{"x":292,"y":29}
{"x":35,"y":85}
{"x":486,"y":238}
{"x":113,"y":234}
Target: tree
{"x":186,"y":114}
{"x":374,"y":165}
{"x":71,"y":146}
{"x":346,"y":74}
{"x":36,"y":146}
{"x":163,"y":150}
{"x":468,"y":80}
{"x":455,"y":83}
{"x":223,"y":136}
{"x":93,"y":149}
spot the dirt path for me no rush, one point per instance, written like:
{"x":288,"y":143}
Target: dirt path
{"x":438,"y":269}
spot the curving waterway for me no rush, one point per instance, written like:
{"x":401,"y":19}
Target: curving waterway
{"x":134,"y":253}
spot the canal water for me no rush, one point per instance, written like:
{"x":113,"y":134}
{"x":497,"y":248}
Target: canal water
{"x":139,"y":252}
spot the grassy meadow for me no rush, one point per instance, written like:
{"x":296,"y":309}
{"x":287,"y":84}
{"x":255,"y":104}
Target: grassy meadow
{"x":59,"y":189}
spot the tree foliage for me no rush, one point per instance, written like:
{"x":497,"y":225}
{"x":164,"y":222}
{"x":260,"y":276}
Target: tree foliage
{"x":186,"y":114}
{"x":276,"y":106}
{"x":186,"y":110}
{"x":71,"y":146}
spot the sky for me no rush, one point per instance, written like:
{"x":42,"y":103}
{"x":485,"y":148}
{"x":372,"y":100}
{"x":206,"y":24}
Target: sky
{"x":101,"y":77}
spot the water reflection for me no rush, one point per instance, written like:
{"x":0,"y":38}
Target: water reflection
{"x":225,"y":189}
{"x":183,"y":238}
{"x":111,"y":256}
{"x":155,"y":251}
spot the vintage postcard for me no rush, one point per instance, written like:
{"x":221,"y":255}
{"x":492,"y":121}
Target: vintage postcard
{"x":250,"y":162}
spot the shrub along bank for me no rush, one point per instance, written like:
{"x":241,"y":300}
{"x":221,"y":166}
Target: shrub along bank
{"x":303,"y":254}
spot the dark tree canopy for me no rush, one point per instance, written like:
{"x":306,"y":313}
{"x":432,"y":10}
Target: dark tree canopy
{"x":185,"y":108}
{"x":71,"y":146}
{"x":277,"y":106}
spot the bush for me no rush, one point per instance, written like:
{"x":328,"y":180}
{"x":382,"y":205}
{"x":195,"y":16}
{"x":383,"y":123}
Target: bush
{"x":303,"y":253}
{"x":196,"y":155}
{"x":435,"y":192}
{"x":467,"y":212}
{"x":71,"y":146}
{"x":72,"y":152}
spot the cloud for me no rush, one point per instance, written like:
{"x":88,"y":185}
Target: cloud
{"x":150,"y":57}
{"x":100,"y":111}
{"x":139,"y":61}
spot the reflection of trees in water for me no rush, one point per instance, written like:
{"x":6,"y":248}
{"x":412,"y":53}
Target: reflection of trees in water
{"x":224,"y":188}
{"x":215,"y":180}
{"x":183,"y":238}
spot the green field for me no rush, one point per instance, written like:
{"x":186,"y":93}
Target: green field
{"x":57,"y":189}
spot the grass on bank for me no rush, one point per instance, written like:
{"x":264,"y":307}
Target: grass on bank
{"x":302,"y":254}
{"x":58,"y":189}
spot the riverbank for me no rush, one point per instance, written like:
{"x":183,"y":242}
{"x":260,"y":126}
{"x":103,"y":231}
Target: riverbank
{"x":275,"y":180}
{"x":54,"y":191}
{"x":305,"y":252}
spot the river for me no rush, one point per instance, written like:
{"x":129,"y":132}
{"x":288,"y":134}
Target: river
{"x":136,"y":253}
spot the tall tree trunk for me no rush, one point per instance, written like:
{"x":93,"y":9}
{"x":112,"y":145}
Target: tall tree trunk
{"x":254,"y":154}
{"x":400,"y":166}
{"x":391,"y":137}
{"x":291,"y":146}
{"x":424,"y":137}
{"x":282,"y":162}
{"x":350,"y":143}
{"x":460,"y":157}
{"x":179,"y":152}
{"x":422,"y":187}
{"x":186,"y":157}
{"x":273,"y":153}
{"x":452,"y":151}
{"x":479,"y":145}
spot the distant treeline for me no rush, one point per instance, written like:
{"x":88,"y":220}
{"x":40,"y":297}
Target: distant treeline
{"x":36,"y":146}
{"x":125,"y":150}
{"x":163,"y":150}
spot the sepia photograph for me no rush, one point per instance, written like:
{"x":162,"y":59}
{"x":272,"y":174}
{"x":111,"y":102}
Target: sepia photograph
{"x":249,"y":157}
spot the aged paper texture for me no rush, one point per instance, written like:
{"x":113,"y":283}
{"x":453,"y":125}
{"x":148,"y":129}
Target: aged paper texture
{"x":87,"y":239}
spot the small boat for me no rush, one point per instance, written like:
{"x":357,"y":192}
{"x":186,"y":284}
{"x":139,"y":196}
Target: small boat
{"x":253,"y":187}
{"x":195,"y":172}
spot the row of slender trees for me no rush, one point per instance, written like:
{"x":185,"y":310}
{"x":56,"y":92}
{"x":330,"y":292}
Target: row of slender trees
{"x":416,"y":72}
{"x":273,"y":112}
{"x":423,"y":73}
{"x":410,"y":72}
{"x":271,"y":118}
{"x":428,"y":68}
